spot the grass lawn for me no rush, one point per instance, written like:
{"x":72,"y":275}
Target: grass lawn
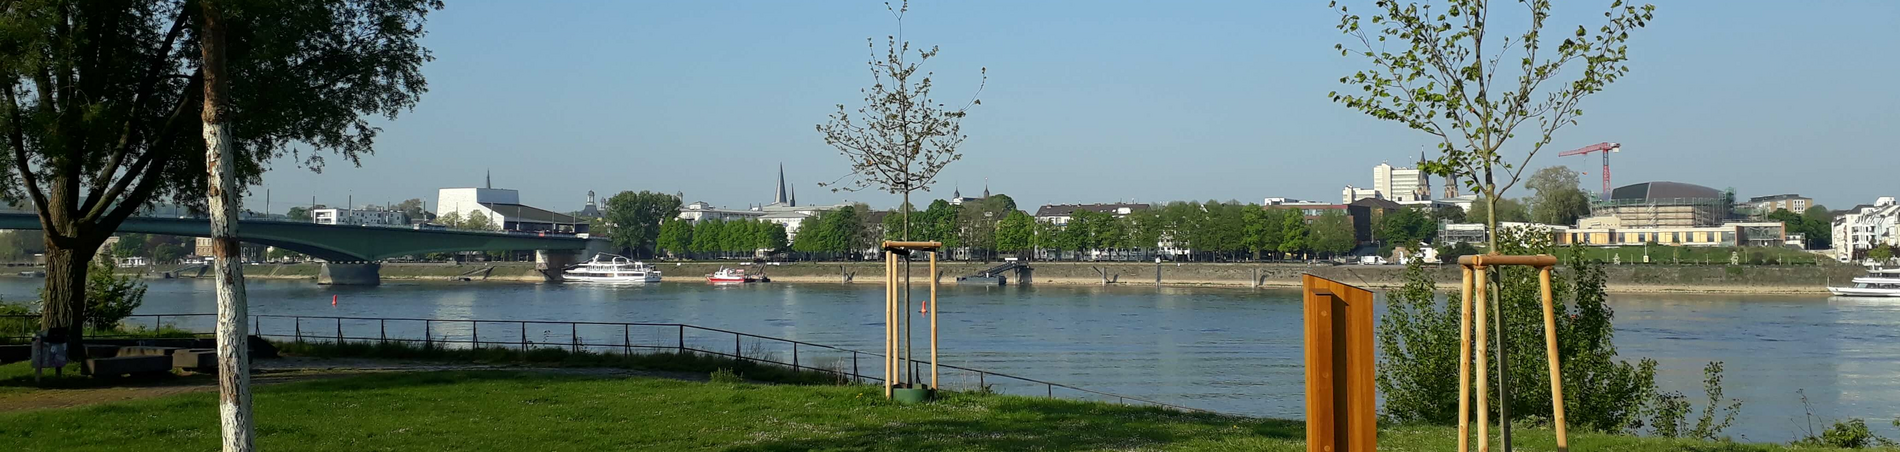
{"x":521,"y":411}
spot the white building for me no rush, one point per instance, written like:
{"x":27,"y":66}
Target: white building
{"x":1866,"y":227}
{"x":1351,"y":194}
{"x":783,"y":210}
{"x":1398,"y":184}
{"x":503,"y":209}
{"x":1060,"y":214}
{"x":368,"y":215}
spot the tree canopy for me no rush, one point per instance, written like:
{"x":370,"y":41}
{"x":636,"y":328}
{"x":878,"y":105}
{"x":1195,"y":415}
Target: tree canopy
{"x":1557,"y":199}
{"x":635,"y":219}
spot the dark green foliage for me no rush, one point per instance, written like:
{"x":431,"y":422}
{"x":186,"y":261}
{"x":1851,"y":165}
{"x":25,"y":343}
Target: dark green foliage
{"x":1332,"y":234}
{"x":111,"y":298}
{"x":1670,"y":410}
{"x":676,"y":237}
{"x":1419,"y":336}
{"x":1406,"y":227}
{"x":1557,"y":199}
{"x":1508,"y":210}
{"x":1016,"y":232}
{"x":1815,"y":225}
{"x":634,"y":219}
{"x":1450,"y":253}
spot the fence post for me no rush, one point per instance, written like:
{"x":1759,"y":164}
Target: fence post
{"x":339,"y":331}
{"x":382,"y":331}
{"x":574,"y":336}
{"x":854,"y":368}
{"x":257,"y":325}
{"x":474,"y":334}
{"x":682,"y":338}
{"x":980,"y":386}
{"x":626,"y":340}
{"x":524,"y":337}
{"x":299,"y":323}
{"x":158,"y":322}
{"x":428,"y":337}
{"x":794,"y":356}
{"x":736,"y":352}
{"x":1052,"y":390}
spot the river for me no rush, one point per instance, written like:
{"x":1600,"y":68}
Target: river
{"x":1228,"y":350}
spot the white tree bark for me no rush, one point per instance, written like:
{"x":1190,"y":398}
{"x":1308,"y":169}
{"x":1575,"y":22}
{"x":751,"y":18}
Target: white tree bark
{"x":234,"y":376}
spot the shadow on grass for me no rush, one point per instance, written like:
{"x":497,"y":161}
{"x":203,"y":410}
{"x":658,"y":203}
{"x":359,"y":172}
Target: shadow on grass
{"x":20,"y":375}
{"x":1019,"y":423}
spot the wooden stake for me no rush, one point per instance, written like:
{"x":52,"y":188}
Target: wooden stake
{"x":1550,"y":350}
{"x":1484,"y":404}
{"x":889,"y":334}
{"x":933,"y":320}
{"x":1464,"y":365}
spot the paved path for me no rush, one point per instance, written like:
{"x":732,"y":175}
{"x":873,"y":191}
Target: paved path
{"x":278,"y":371}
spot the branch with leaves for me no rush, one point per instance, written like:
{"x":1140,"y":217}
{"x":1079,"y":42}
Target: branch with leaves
{"x":1432,"y":70}
{"x":901,"y":138}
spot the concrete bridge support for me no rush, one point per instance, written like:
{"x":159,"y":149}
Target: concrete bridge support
{"x":551,"y":263}
{"x":350,"y":274}
{"x":1024,"y":275}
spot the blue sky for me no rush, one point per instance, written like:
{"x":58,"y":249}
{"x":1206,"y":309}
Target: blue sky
{"x":1087,"y":101}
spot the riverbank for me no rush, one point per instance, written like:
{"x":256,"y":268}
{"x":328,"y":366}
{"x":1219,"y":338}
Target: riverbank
{"x":1633,"y":278}
{"x":529,"y":410}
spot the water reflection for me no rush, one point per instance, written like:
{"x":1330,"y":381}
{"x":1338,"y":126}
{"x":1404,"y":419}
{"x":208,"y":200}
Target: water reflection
{"x":1229,"y":350}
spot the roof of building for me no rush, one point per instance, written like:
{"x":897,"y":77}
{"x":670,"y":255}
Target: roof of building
{"x":521,"y":213}
{"x":1663,"y":190}
{"x":1377,"y":203}
{"x":1776,"y":197}
{"x":1062,"y":210}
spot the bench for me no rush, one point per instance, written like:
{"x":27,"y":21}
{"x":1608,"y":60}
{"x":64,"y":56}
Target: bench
{"x":147,"y":351}
{"x":15,"y":353}
{"x":197,"y":359}
{"x":102,"y":351}
{"x":112,"y":367}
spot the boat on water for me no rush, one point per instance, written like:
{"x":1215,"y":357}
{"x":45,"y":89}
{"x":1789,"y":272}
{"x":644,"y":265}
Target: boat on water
{"x":735,"y":275}
{"x":1877,"y":283}
{"x":608,"y":268}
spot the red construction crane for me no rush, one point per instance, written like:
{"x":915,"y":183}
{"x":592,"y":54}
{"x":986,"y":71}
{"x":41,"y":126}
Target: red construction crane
{"x":1605,"y":148}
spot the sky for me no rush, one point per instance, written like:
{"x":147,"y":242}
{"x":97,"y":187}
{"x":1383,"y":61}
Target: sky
{"x":1099,"y":101}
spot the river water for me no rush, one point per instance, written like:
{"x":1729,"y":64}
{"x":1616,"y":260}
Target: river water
{"x":1228,"y":350}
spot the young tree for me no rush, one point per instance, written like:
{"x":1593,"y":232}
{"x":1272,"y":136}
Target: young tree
{"x":451,"y":220}
{"x":412,"y":208}
{"x":1333,"y":234}
{"x":1442,"y":79}
{"x":1406,"y":227}
{"x":1508,"y":210}
{"x":1293,"y":233}
{"x":771,"y":237}
{"x":900,"y":138}
{"x":103,"y":99}
{"x":676,"y":237}
{"x":480,"y":222}
{"x":706,"y":236}
{"x":234,"y":362}
{"x":1557,"y":200}
{"x":636,"y":218}
{"x":1016,"y":232}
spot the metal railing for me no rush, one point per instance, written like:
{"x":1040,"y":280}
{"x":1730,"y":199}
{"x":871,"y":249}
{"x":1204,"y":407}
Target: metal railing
{"x":652,"y":337}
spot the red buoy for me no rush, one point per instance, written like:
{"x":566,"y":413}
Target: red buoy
{"x":333,"y":300}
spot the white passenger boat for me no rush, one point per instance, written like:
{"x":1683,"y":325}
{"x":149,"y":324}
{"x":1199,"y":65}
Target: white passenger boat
{"x":1877,"y":283}
{"x":612,"y":269}
{"x":727,"y":275}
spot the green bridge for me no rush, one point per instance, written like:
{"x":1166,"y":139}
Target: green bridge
{"x":350,"y":252}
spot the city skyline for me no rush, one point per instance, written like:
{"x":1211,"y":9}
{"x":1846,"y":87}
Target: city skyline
{"x":1111,"y":104}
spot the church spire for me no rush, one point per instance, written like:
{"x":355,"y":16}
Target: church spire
{"x":986,"y":188}
{"x":488,"y":178}
{"x":781,"y":197}
{"x":792,"y":196}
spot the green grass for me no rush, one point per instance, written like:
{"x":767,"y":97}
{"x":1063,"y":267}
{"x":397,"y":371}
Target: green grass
{"x":496,"y":410}
{"x":1662,"y":254}
{"x":666,"y":361}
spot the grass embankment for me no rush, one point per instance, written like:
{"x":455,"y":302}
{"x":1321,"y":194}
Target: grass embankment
{"x":508,"y":410}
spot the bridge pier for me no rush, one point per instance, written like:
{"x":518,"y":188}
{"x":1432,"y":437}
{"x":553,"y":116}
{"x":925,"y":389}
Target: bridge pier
{"x":350,"y":274}
{"x":551,"y":263}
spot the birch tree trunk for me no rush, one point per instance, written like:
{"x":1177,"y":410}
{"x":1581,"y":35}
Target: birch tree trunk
{"x":234,"y":377}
